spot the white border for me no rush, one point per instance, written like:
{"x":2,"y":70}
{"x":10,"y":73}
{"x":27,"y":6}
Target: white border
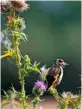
{"x":81,"y":54}
{"x":0,"y":60}
{"x":81,"y":43}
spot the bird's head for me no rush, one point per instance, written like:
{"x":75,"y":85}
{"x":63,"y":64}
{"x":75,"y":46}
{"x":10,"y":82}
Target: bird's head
{"x":61,"y":62}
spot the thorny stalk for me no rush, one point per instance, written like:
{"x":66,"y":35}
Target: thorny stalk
{"x":18,"y":62}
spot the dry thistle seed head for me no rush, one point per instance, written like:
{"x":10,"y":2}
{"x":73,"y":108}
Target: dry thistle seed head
{"x":19,"y":5}
{"x":4,"y":39}
{"x":5,"y":6}
{"x":68,"y":94}
{"x":71,"y":99}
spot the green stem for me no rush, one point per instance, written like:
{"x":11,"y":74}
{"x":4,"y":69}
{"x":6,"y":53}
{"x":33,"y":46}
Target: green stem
{"x":23,"y":94}
{"x":18,"y":62}
{"x":35,"y":106}
{"x":36,"y":101}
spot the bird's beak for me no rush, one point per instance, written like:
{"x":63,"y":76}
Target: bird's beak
{"x":65,"y":64}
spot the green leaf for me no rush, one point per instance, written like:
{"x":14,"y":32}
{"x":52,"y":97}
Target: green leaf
{"x":24,"y":36}
{"x":13,"y":89}
{"x":6,"y":95}
{"x":35,"y":69}
{"x":36,"y":64}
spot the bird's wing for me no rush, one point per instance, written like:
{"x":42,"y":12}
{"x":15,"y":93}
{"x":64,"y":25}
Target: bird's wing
{"x":44,"y":70}
{"x":61,"y":76}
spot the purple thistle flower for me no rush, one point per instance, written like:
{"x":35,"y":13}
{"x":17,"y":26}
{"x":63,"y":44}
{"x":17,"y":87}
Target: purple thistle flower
{"x":41,"y":85}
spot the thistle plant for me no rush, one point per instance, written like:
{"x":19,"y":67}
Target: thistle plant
{"x":70,"y":101}
{"x":38,"y":90}
{"x":66,"y":100}
{"x":15,"y":29}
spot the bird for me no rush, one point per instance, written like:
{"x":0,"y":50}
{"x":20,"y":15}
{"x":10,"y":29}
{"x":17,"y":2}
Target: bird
{"x":54,"y":74}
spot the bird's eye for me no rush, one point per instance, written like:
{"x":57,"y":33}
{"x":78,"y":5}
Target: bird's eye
{"x":60,"y":60}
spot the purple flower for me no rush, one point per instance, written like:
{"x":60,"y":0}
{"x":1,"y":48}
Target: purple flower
{"x":41,"y":85}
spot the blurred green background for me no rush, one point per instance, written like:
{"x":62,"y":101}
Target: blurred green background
{"x":54,"y":31}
